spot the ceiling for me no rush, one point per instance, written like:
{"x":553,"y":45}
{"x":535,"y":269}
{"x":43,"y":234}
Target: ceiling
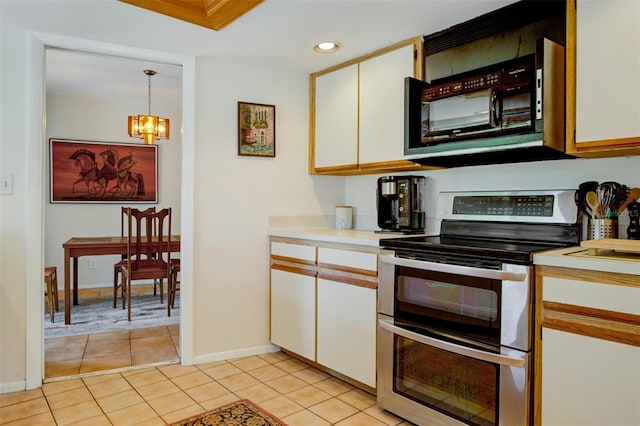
{"x":281,"y":32}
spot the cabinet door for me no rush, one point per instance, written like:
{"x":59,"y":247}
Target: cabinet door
{"x":347,"y":330}
{"x":607,"y":70}
{"x":382,"y":105}
{"x":336,"y":118}
{"x":590,"y":357}
{"x":293,"y":312}
{"x":589,"y":382}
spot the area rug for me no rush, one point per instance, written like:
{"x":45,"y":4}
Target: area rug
{"x":242,"y":412}
{"x":97,"y":315}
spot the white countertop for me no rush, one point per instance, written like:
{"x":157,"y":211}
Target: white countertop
{"x":577,"y":257}
{"x":348,"y":236}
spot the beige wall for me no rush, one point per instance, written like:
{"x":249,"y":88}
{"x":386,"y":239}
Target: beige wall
{"x":235,"y":196}
{"x":13,"y":232}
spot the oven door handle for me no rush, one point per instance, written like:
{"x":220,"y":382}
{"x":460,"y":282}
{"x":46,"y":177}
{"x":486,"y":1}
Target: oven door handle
{"x":453,"y":269}
{"x":452,"y":347}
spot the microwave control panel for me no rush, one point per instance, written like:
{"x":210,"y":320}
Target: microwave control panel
{"x":515,"y":75}
{"x":444,"y":90}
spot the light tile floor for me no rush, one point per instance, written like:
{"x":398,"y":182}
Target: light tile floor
{"x":67,"y":356}
{"x":293,"y":391}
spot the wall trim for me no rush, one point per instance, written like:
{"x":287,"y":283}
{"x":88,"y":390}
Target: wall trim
{"x":238,"y":353}
{"x":10,"y":387}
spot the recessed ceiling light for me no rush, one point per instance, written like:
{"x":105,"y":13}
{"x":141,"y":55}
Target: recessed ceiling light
{"x":326,"y":47}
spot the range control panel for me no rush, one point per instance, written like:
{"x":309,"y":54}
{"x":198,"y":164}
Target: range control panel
{"x":507,"y":205}
{"x":534,"y":206}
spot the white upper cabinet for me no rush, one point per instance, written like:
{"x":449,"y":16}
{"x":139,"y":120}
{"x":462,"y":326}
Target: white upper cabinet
{"x":336,"y":118}
{"x":608,"y":70}
{"x":606,"y":67}
{"x":382,"y":105}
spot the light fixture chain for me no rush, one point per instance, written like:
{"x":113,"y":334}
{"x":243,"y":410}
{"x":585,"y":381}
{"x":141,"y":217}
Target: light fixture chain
{"x":149,"y":91}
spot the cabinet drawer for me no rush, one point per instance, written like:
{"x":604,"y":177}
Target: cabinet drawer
{"x":294,"y":251}
{"x":328,"y":257}
{"x":610,"y":297}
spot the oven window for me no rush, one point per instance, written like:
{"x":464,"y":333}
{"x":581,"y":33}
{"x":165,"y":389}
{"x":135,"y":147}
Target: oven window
{"x":467,"y":306}
{"x":476,"y":303}
{"x":456,"y":385}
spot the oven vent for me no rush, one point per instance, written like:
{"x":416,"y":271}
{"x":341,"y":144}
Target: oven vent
{"x":506,"y":19}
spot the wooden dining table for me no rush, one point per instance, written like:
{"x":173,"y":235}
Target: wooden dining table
{"x":77,"y":247}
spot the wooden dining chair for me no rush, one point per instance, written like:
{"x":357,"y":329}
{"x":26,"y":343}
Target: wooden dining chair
{"x":51,"y":283}
{"x":148,"y":254}
{"x":124,"y":214}
{"x":174,"y":285}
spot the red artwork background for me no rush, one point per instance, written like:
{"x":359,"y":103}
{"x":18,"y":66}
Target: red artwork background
{"x":83,"y":171}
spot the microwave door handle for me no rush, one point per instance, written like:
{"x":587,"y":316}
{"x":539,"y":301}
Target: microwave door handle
{"x":451,"y":347}
{"x":453,"y":269}
{"x":496,"y":108}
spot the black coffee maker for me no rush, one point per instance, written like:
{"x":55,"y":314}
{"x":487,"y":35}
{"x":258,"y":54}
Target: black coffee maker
{"x":399,"y":203}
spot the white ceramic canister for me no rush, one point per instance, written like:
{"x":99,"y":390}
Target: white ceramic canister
{"x":344,"y":217}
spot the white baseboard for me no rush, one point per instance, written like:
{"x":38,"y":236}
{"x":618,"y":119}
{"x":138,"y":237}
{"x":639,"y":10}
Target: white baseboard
{"x":9,"y":387}
{"x":238,"y":353}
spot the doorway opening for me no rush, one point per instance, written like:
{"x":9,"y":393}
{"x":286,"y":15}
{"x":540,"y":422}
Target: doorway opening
{"x":93,"y":105}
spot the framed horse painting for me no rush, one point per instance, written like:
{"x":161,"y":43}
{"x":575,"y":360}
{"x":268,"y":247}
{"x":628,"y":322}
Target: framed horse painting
{"x":99,"y":172}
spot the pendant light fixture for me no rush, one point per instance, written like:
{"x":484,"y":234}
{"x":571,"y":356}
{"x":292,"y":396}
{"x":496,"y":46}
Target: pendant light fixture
{"x":148,"y":127}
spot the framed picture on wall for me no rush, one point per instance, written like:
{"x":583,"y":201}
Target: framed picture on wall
{"x":101,"y":172}
{"x":256,"y":130}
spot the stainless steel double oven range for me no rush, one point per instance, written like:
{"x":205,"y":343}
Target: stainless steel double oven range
{"x":455,"y":311}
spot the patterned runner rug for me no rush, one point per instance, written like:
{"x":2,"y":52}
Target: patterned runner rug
{"x":242,"y":412}
{"x":97,"y":315}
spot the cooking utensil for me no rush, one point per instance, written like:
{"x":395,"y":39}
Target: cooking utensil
{"x":604,"y":193}
{"x":619,"y":197}
{"x":580,"y":196}
{"x":632,"y":195}
{"x":594,"y":203}
{"x":610,"y":196}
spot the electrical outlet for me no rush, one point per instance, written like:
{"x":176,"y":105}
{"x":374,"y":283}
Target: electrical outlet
{"x":6,"y":184}
{"x":93,"y":263}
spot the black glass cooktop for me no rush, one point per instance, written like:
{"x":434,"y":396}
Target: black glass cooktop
{"x":484,"y":242}
{"x":423,"y":247}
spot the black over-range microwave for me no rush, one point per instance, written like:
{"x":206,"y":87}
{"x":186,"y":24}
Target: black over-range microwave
{"x":512,"y":111}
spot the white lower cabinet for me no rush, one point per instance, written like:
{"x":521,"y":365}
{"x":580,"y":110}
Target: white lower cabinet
{"x":323,"y":306}
{"x":589,"y":381}
{"x":293,"y":312}
{"x":346,"y":330}
{"x":589,"y":338}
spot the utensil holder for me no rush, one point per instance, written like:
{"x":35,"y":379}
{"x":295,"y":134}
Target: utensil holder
{"x":603,"y":228}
